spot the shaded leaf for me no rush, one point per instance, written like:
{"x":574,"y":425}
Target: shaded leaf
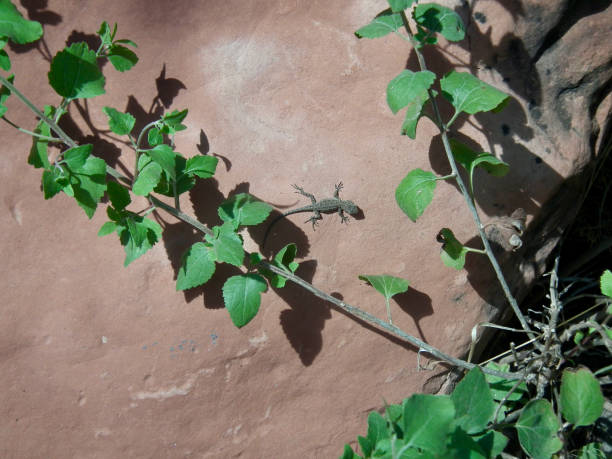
{"x":537,"y":429}
{"x":133,"y":250}
{"x":581,"y":397}
{"x":605,"y":283}
{"x":470,"y":160}
{"x":473,"y":402}
{"x":440,"y":19}
{"x":453,"y":252}
{"x":118,"y":194}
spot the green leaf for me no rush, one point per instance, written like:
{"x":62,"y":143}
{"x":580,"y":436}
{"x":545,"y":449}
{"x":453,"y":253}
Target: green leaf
{"x":427,"y":420}
{"x":75,"y":74}
{"x":453,"y":252}
{"x":172,"y":121}
{"x":460,"y":444}
{"x":155,"y":137}
{"x":5,"y":60}
{"x":581,"y":397}
{"x":400,"y":5}
{"x":165,"y":157}
{"x":408,"y":87}
{"x":283,"y":260}
{"x":470,"y":160}
{"x":105,"y":33}
{"x":51,"y":182}
{"x":591,"y":451}
{"x":148,"y":176}
{"x":473,"y":402}
{"x":440,"y":19}
{"x":348,"y":453}
{"x":605,"y":283}
{"x":492,"y":443}
{"x":500,"y":387}
{"x":119,"y":123}
{"x":4,"y":95}
{"x":39,"y":156}
{"x":118,"y":194}
{"x":197,"y":267}
{"x":537,"y":429}
{"x":136,"y":229}
{"x":132,"y":249}
{"x":243,"y":210}
{"x":108,"y":228}
{"x":76,"y":157}
{"x":202,"y":166}
{"x":415,"y":192}
{"x":470,"y":95}
{"x":14,"y":26}
{"x":122,"y":58}
{"x":414,"y":112}
{"x":89,"y":184}
{"x":377,"y":430}
{"x":226,"y":245}
{"x":386,"y":285}
{"x":383,"y":24}
{"x":242,"y":297}
{"x":127,"y":42}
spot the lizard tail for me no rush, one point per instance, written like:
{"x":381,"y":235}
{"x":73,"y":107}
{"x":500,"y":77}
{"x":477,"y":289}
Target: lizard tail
{"x":263,"y":244}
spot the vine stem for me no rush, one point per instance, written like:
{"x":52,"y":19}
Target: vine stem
{"x":352,"y":310}
{"x":58,"y":130}
{"x":464,"y":191}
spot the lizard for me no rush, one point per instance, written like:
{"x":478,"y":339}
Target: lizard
{"x":325,"y":206}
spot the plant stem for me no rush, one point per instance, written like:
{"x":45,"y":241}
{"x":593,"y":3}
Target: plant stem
{"x":33,"y":134}
{"x":352,"y":310}
{"x":59,"y":131}
{"x":466,"y":194}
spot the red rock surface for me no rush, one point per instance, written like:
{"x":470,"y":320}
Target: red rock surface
{"x":102,"y":361}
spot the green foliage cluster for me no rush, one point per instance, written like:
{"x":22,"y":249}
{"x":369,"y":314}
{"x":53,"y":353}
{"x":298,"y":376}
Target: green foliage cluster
{"x":475,"y":420}
{"x":76,"y":73}
{"x":471,"y":420}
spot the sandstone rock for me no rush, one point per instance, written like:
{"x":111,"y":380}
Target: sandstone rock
{"x":98,"y":360}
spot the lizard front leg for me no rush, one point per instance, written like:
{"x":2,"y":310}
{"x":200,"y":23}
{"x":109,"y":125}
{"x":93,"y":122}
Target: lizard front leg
{"x":315,"y":219}
{"x":343,"y":217}
{"x":301,"y":191}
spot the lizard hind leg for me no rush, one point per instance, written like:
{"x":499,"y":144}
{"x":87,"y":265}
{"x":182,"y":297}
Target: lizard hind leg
{"x":301,"y":191}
